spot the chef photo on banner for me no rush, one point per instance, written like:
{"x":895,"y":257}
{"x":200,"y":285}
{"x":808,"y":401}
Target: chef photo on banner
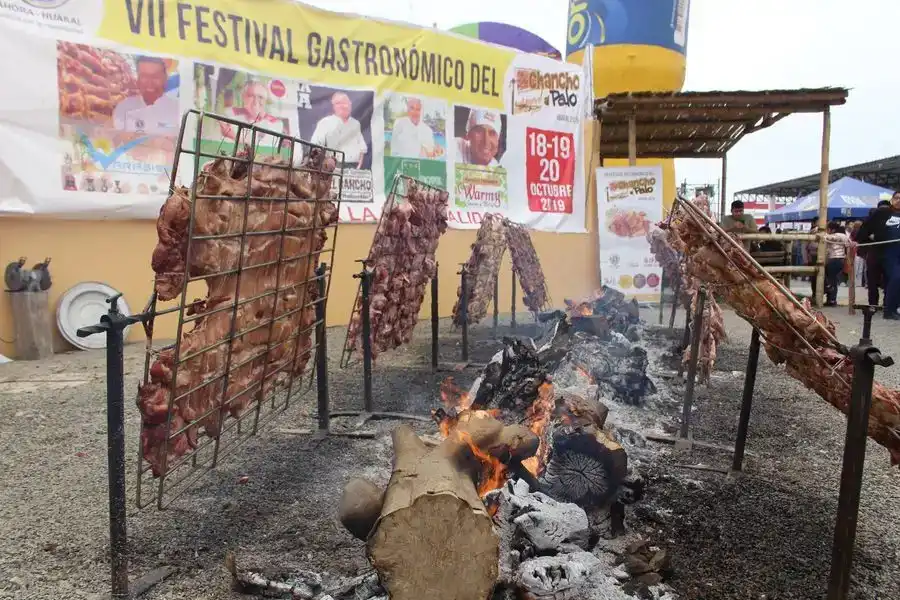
{"x":267,"y":102}
{"x":340,"y":120}
{"x":480,"y":136}
{"x":415,"y":127}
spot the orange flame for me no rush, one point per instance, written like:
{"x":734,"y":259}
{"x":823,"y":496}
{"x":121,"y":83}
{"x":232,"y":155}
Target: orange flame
{"x":583,"y":372}
{"x":453,"y":396}
{"x":493,"y":472}
{"x":585,"y":310}
{"x":537,"y":417}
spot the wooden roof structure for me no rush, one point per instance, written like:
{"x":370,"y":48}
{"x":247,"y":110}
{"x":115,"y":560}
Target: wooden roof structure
{"x":698,"y":124}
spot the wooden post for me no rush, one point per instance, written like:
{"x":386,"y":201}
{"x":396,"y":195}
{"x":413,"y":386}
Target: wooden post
{"x":31,"y":316}
{"x":722,"y":203}
{"x":818,"y":300}
{"x":632,"y":141}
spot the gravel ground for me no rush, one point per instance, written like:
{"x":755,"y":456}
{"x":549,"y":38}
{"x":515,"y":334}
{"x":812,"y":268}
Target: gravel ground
{"x":764,"y":535}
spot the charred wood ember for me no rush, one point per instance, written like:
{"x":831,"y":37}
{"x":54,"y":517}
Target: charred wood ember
{"x":271,"y":315}
{"x":618,"y":368}
{"x":543,"y":547}
{"x":527,"y":266}
{"x":512,"y":382}
{"x":482,"y":268}
{"x":403,"y":262}
{"x":585,"y":466}
{"x":606,"y":311}
{"x":432,"y":502}
{"x":793,"y":334}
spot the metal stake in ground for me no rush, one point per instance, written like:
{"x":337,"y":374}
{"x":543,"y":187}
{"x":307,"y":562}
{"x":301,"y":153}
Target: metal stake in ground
{"x":697,"y":327}
{"x":365,"y":277}
{"x":746,"y":403}
{"x":113,"y":323}
{"x":464,"y":311}
{"x":685,"y":340}
{"x":435,"y":322}
{"x":865,"y":357}
{"x":512,"y":304}
{"x":676,"y":292}
{"x":496,"y":303}
{"x":322,"y":350}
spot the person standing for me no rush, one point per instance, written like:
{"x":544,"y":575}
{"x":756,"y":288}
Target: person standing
{"x":836,"y":242}
{"x":890,"y":258}
{"x":340,"y":131}
{"x":873,"y":255}
{"x":151,"y":111}
{"x":411,"y":137}
{"x":739,"y":222}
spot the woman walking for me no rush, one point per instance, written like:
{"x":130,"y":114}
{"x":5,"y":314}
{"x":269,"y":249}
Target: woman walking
{"x":836,"y":242}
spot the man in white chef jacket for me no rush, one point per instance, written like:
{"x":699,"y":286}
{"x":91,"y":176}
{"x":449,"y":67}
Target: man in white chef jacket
{"x":412,"y":138}
{"x":151,"y":111}
{"x":255,"y":98}
{"x":482,"y":140}
{"x":339,"y":131}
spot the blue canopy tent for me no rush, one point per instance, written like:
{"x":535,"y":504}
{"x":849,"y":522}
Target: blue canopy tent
{"x":848,"y":198}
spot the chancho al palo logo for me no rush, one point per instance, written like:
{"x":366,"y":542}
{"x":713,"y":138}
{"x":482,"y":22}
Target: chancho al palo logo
{"x":45,"y":3}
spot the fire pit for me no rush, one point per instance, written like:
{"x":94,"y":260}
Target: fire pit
{"x":523,"y":478}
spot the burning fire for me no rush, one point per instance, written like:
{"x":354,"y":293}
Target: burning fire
{"x":458,"y":410}
{"x":537,"y":417}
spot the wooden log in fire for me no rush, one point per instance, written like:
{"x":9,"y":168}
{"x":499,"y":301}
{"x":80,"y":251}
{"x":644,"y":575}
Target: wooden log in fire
{"x":431,"y":525}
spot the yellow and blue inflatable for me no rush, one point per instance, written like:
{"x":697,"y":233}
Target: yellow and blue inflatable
{"x":638,"y":46}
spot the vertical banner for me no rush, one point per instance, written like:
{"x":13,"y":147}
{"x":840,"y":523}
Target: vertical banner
{"x":629,"y":201}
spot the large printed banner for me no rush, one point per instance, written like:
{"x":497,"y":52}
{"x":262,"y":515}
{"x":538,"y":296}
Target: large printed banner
{"x":92,"y":122}
{"x":629,"y":201}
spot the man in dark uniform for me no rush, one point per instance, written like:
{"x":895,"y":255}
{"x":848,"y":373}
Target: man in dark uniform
{"x":889,"y":232}
{"x":873,"y":254}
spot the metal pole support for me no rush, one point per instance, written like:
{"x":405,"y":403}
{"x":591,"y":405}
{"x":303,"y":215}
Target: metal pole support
{"x":435,"y":322}
{"x":113,"y":324}
{"x":464,"y":311}
{"x":662,"y":299}
{"x":746,"y":402}
{"x":697,"y":326}
{"x":322,"y":349}
{"x":676,"y":292}
{"x":865,"y":358}
{"x":365,"y":277}
{"x":685,"y":340}
{"x":496,"y":303}
{"x":512,"y":304}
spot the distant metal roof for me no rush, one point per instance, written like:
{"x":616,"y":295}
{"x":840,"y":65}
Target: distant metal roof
{"x":884,"y":172}
{"x":699,"y":124}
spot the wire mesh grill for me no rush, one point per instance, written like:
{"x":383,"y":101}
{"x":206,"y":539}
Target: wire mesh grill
{"x":402,"y":261}
{"x":252,"y":226}
{"x":527,"y":266}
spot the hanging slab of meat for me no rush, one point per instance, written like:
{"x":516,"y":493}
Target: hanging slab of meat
{"x":403,"y":262}
{"x":429,"y":534}
{"x":267,"y":277}
{"x":794,"y":335}
{"x":713,"y":330}
{"x":527,"y":266}
{"x":482,"y":268}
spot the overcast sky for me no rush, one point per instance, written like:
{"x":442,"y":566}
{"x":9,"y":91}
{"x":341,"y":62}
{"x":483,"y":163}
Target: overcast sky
{"x":743,"y":45}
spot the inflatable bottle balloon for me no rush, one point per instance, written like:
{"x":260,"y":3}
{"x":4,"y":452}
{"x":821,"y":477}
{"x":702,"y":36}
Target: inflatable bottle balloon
{"x":638,"y":46}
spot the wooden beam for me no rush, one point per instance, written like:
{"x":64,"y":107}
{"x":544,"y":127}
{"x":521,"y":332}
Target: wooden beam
{"x":672,"y":141}
{"x":766,"y":122}
{"x":646,"y":115}
{"x":724,"y":186}
{"x":823,"y":207}
{"x":762,"y":98}
{"x":632,"y":142}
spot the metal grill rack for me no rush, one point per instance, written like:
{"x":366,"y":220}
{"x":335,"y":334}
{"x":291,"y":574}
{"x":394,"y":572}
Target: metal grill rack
{"x":399,"y":194}
{"x":548,"y":301}
{"x":248,"y":377}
